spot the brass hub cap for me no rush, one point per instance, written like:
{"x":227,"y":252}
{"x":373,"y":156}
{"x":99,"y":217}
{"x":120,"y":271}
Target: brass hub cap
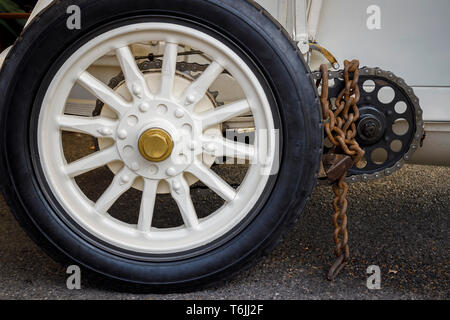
{"x":155,"y":145}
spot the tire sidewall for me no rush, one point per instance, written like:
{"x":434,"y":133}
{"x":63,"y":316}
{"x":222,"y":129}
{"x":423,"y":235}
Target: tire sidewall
{"x":294,"y":98}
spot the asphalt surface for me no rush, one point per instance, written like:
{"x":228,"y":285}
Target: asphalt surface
{"x":399,"y":223}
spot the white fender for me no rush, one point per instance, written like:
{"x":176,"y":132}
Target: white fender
{"x":3,"y":56}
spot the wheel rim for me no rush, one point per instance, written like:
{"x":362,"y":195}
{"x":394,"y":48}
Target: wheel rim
{"x":159,"y":109}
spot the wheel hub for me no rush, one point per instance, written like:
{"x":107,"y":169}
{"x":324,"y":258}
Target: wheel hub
{"x":155,"y":145}
{"x":166,"y":115}
{"x":371,"y":126}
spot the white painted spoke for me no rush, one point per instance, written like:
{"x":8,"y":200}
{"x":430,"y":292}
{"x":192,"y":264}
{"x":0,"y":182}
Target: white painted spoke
{"x":224,"y":113}
{"x":168,"y":70}
{"x":180,"y":191}
{"x":213,"y":181}
{"x":147,"y":205}
{"x":97,"y":127}
{"x":134,"y":78}
{"x":197,"y":90}
{"x":91,"y":162}
{"x":221,"y":147}
{"x":103,"y":92}
{"x":122,"y":182}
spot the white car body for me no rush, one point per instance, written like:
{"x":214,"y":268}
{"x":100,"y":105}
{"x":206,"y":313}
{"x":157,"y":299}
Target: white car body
{"x":407,"y":39}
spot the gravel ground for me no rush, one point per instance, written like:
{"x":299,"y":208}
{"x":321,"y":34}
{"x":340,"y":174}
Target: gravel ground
{"x":399,"y":223}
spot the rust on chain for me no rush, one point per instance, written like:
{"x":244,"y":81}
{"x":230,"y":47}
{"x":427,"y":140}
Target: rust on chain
{"x":340,"y":127}
{"x":335,"y":165}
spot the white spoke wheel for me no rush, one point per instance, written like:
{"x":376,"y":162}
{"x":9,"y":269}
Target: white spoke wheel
{"x":158,"y":133}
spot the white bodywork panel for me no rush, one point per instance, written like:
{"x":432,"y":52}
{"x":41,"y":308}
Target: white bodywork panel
{"x":410,"y":42}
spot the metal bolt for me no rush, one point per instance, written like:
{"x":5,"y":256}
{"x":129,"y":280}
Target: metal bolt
{"x":369,"y":129}
{"x":144,"y":107}
{"x":190,"y":99}
{"x":179,"y":113}
{"x":171,"y":171}
{"x":122,"y":134}
{"x":105,"y":131}
{"x":137,"y":90}
{"x":176,"y":186}
{"x":135,"y":166}
{"x":210,"y":147}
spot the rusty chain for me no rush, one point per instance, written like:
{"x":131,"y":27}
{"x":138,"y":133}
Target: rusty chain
{"x":340,"y":127}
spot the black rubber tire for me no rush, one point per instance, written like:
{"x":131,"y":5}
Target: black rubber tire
{"x":256,"y":37}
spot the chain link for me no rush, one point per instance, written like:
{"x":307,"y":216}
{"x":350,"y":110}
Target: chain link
{"x":340,"y":127}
